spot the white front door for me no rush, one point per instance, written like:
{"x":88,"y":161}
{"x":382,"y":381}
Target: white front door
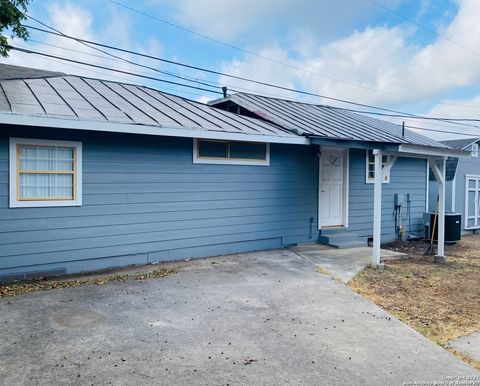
{"x":332,"y":191}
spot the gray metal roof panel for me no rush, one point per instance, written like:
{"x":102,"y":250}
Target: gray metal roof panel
{"x":8,"y":71}
{"x":86,"y":99}
{"x":450,"y":171}
{"x":328,"y":122}
{"x":312,"y":119}
{"x":460,"y":143}
{"x":170,"y":116}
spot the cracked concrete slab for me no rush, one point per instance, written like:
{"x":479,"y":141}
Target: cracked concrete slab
{"x":343,"y":264}
{"x":468,"y":345}
{"x":264,"y":318}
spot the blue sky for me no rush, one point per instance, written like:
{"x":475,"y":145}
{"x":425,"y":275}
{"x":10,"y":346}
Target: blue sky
{"x":349,"y":49}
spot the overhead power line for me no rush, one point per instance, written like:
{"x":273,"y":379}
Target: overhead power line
{"x":454,"y":42}
{"x":448,"y":120}
{"x":119,"y":57}
{"x":442,"y":131}
{"x":27,"y":51}
{"x":250,"y":38}
{"x":54,"y":57}
{"x":458,"y":120}
{"x":161,"y":80}
{"x":249,"y":52}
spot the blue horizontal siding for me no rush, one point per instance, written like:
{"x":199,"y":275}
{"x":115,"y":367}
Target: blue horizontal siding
{"x":144,"y":200}
{"x":408,"y":175}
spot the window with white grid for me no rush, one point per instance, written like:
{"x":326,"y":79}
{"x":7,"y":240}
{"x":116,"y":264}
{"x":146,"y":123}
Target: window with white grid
{"x":45,"y":173}
{"x":370,"y":168}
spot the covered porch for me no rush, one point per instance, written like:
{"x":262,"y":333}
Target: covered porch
{"x":385,"y":156}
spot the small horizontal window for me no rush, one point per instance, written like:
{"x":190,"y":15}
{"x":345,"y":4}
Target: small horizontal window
{"x":44,"y":173}
{"x":231,"y":152}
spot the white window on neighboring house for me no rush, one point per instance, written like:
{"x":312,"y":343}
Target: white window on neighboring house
{"x":45,"y":173}
{"x":475,"y":150}
{"x":370,"y":168}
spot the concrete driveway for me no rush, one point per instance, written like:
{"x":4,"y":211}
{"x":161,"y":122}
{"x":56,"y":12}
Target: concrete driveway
{"x":264,"y":318}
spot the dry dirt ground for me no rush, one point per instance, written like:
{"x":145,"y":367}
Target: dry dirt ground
{"x":440,"y":301}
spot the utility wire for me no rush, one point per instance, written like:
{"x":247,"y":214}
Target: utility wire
{"x":119,"y":57}
{"x":442,"y":131}
{"x":193,"y":80}
{"x":410,"y":115}
{"x":248,"y":37}
{"x":54,"y":57}
{"x":262,"y":56}
{"x":27,"y":51}
{"x":161,"y":80}
{"x":378,"y":4}
{"x":446,"y":119}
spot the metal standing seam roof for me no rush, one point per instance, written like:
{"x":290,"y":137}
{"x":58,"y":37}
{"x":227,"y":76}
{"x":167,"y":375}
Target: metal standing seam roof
{"x":326,"y":121}
{"x":8,"y":71}
{"x":460,"y":143}
{"x":76,"y":98}
{"x":451,"y":169}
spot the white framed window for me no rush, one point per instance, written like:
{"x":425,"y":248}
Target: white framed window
{"x":370,"y":167}
{"x":45,"y":173}
{"x":475,"y":150}
{"x":207,"y":151}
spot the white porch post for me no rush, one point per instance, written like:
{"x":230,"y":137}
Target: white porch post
{"x":441,"y":211}
{"x":440,"y":175}
{"x":377,"y":208}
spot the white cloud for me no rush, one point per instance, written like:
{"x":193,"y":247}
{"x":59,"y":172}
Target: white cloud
{"x":465,"y":108}
{"x":74,"y":20}
{"x":458,"y":108}
{"x":229,"y":20}
{"x":382,"y":58}
{"x":258,"y":69}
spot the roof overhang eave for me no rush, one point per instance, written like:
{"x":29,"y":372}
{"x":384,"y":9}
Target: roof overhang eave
{"x":431,"y":152}
{"x":354,"y":144}
{"x":126,"y":128}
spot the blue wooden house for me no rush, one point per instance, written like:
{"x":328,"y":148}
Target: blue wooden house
{"x":97,"y":174}
{"x":462,"y":187}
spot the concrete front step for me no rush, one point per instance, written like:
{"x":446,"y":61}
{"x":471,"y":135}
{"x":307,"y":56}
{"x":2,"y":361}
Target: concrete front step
{"x":341,"y":239}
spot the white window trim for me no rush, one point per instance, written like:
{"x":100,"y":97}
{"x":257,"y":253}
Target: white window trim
{"x":475,"y":150}
{"x":386,"y":172}
{"x":13,"y":199}
{"x":467,"y":217}
{"x":220,"y":161}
